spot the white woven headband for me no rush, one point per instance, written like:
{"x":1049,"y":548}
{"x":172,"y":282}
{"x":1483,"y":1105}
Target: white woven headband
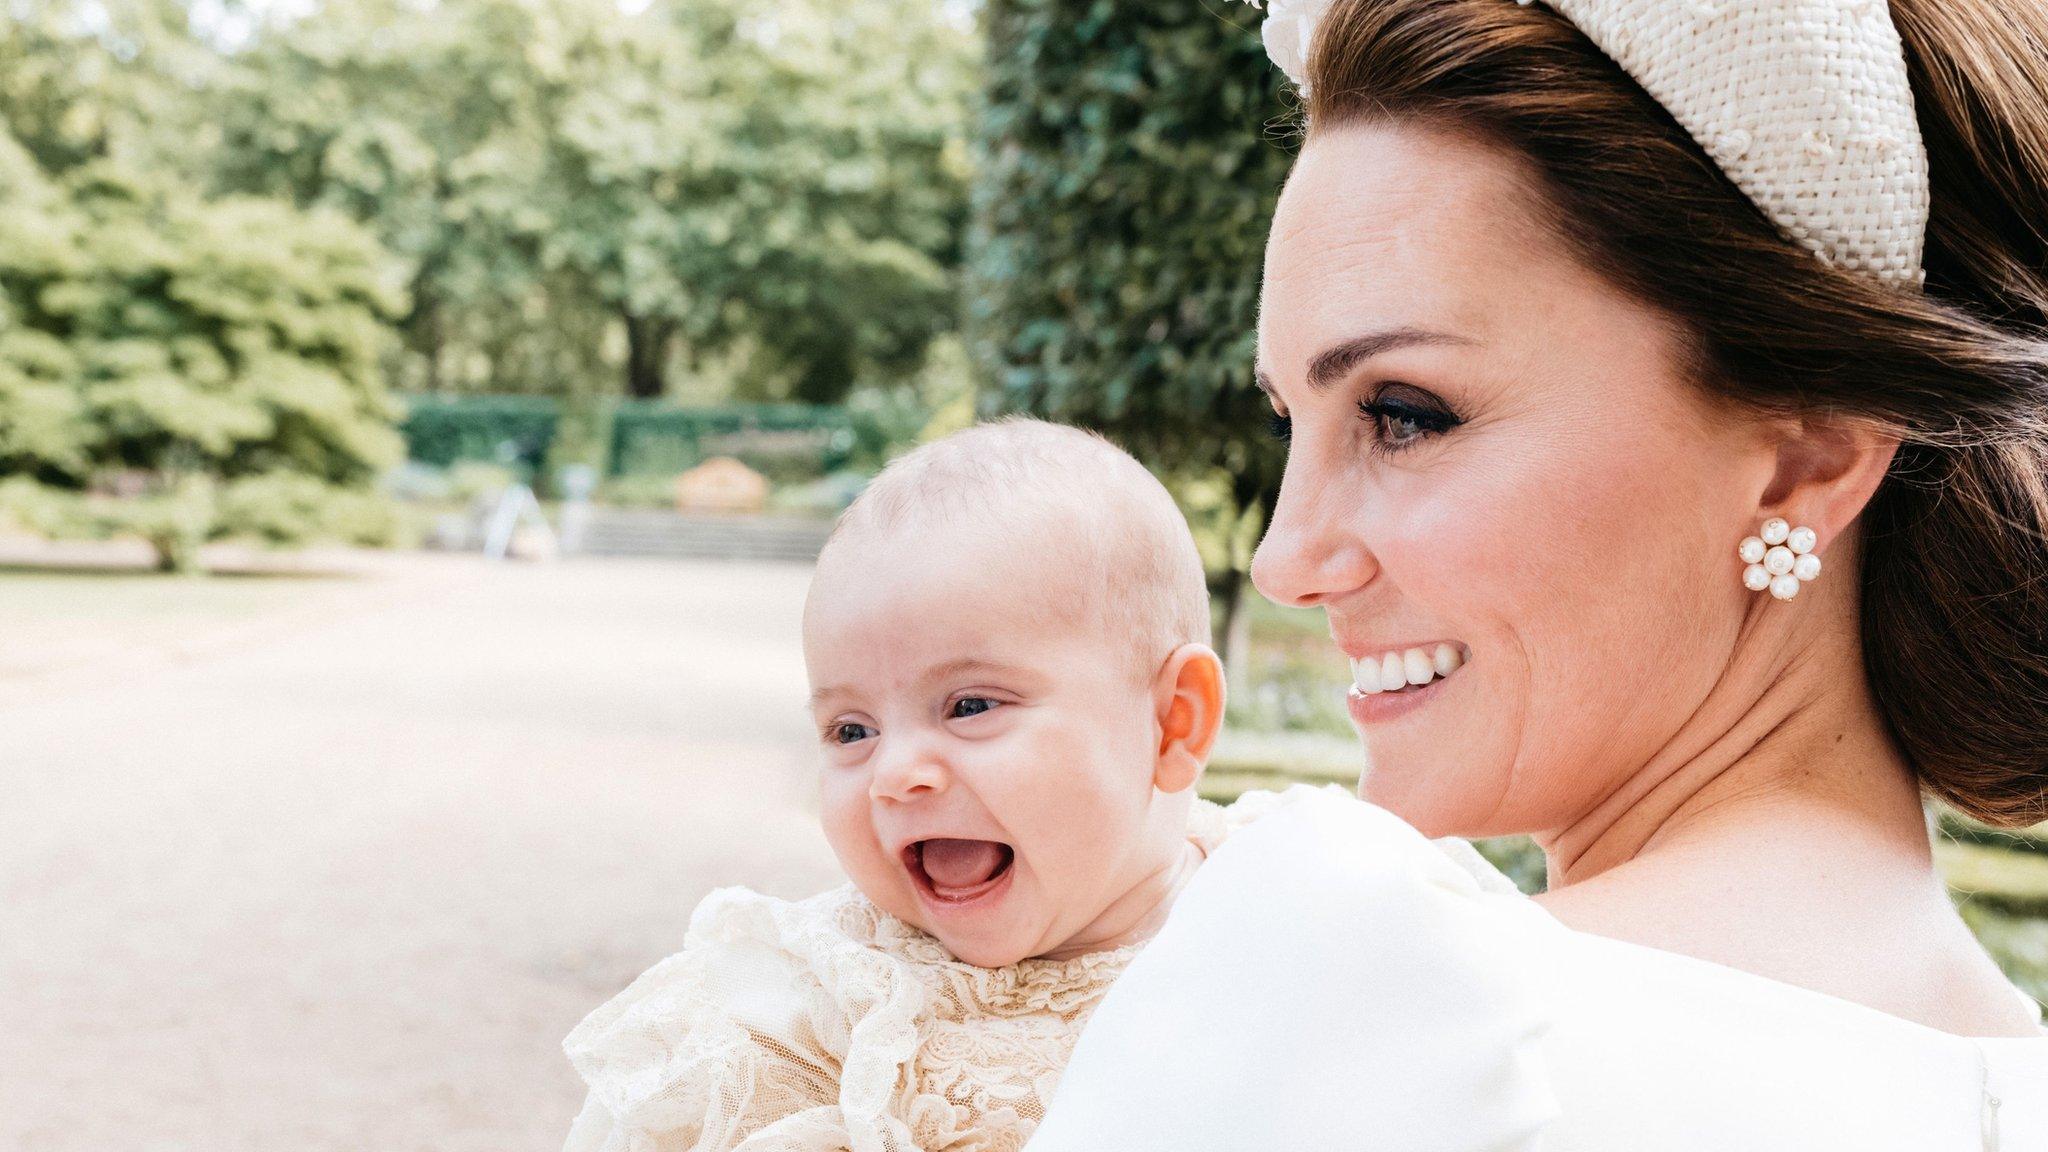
{"x":1805,"y":104}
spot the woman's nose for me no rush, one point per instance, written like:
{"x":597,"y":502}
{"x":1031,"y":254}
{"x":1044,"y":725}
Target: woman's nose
{"x":906,"y":772}
{"x":1313,"y":551}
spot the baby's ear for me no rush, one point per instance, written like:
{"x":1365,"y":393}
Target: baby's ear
{"x":1189,"y":697}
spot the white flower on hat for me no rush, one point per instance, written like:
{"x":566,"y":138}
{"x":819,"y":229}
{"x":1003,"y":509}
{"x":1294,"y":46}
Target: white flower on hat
{"x":1288,"y":31}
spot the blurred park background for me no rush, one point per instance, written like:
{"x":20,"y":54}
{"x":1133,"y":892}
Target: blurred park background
{"x":416,"y":419}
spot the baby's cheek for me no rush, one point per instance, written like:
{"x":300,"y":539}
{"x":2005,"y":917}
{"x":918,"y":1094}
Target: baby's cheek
{"x":844,"y":814}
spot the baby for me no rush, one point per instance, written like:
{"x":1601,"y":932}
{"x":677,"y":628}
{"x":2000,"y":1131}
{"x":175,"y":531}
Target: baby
{"x":1007,"y":642}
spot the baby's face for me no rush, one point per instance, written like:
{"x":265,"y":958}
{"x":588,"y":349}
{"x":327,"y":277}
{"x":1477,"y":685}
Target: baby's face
{"x":988,"y":750}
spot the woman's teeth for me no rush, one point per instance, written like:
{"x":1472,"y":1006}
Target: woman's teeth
{"x":1408,"y":667}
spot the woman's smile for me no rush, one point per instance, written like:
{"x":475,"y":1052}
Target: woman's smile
{"x":1399,"y":669}
{"x":1380,"y":707}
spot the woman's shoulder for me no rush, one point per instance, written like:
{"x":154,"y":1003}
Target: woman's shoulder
{"x":1345,"y":841}
{"x":1328,"y":971}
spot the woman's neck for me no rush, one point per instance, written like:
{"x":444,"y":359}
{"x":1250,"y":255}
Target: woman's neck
{"x":1822,"y":778}
{"x":1790,"y":742}
{"x":1785,"y":837}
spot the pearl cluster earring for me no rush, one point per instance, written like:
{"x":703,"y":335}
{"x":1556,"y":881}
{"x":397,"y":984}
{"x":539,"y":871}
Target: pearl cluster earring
{"x":1780,"y":558}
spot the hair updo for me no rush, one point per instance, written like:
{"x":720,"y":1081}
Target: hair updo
{"x":1955,"y":560}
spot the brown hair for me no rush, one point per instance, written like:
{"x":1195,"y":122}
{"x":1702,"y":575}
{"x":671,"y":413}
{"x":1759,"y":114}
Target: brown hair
{"x":1955,"y":555}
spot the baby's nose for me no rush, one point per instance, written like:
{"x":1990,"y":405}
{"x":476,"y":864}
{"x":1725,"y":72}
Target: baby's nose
{"x":906,"y":774}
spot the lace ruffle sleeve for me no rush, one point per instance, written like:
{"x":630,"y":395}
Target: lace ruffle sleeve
{"x":1329,"y":979}
{"x":771,"y":1030}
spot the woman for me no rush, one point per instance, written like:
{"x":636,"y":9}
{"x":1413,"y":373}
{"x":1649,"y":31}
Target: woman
{"x":1600,"y":336}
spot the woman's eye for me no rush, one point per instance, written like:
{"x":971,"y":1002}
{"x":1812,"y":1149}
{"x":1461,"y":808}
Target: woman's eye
{"x":1280,"y":427}
{"x":1401,"y":424}
{"x":850,"y":733}
{"x":970,"y":706}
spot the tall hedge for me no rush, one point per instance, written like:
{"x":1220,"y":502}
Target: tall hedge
{"x":1130,"y":159}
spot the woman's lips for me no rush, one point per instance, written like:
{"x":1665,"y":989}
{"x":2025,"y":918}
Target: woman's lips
{"x":1379,"y":707}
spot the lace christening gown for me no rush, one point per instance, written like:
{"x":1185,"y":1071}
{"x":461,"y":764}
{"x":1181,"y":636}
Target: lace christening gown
{"x":826,"y":1024}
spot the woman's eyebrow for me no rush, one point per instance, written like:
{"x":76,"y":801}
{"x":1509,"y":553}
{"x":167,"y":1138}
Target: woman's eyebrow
{"x":1332,"y":364}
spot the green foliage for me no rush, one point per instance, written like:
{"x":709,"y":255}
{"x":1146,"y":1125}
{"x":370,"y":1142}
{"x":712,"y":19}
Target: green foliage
{"x":626,"y":438}
{"x":577,"y":188}
{"x":2018,"y":942}
{"x":184,"y":369}
{"x":1519,"y":858}
{"x":472,"y":480}
{"x":92,"y":80}
{"x":419,"y":122}
{"x":584,"y":435}
{"x":1127,"y":177}
{"x":441,"y":430}
{"x":786,"y":441}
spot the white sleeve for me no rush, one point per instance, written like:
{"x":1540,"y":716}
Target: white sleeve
{"x":1328,"y":980}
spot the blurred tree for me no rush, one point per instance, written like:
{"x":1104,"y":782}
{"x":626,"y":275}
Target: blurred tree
{"x":790,"y":181}
{"x":427,"y":124}
{"x":699,"y":177}
{"x":1120,"y":211}
{"x":86,"y":80}
{"x":213,"y":364}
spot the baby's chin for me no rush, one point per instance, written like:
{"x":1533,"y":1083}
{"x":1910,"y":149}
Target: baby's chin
{"x":983,"y":945}
{"x":985,"y":954}
{"x":989,"y":946}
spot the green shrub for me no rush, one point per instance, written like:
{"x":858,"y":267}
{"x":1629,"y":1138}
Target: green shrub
{"x":183,"y":369}
{"x":535,"y":436}
{"x":471,"y":479}
{"x":645,"y":490}
{"x":281,"y":508}
{"x":515,"y":431}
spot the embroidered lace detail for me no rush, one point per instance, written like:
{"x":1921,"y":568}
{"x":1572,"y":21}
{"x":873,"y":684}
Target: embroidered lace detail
{"x":827,"y":1024}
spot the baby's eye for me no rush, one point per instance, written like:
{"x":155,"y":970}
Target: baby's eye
{"x":849,"y":733}
{"x":970,"y":706}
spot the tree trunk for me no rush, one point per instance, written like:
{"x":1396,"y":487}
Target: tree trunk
{"x":1234,"y":641}
{"x":647,"y":341}
{"x":1249,"y":494}
{"x":176,"y":552}
{"x":426,"y":326}
{"x":826,"y":379}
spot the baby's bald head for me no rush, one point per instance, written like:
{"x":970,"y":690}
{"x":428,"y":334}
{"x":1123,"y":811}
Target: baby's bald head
{"x":1006,"y":642}
{"x":1102,"y":532}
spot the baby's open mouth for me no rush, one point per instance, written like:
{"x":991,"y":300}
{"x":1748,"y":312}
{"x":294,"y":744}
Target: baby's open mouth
{"x":958,"y":870}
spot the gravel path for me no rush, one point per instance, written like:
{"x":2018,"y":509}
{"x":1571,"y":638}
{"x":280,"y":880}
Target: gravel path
{"x":345,"y":881}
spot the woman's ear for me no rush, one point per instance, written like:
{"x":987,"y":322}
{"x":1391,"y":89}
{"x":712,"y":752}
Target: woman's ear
{"x":1188,"y":695}
{"x":1827,"y":471}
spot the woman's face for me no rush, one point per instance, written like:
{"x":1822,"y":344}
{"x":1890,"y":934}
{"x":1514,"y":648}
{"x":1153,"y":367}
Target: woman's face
{"x":1491,"y":449}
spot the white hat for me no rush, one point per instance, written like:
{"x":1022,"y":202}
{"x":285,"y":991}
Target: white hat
{"x":1805,"y":104}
